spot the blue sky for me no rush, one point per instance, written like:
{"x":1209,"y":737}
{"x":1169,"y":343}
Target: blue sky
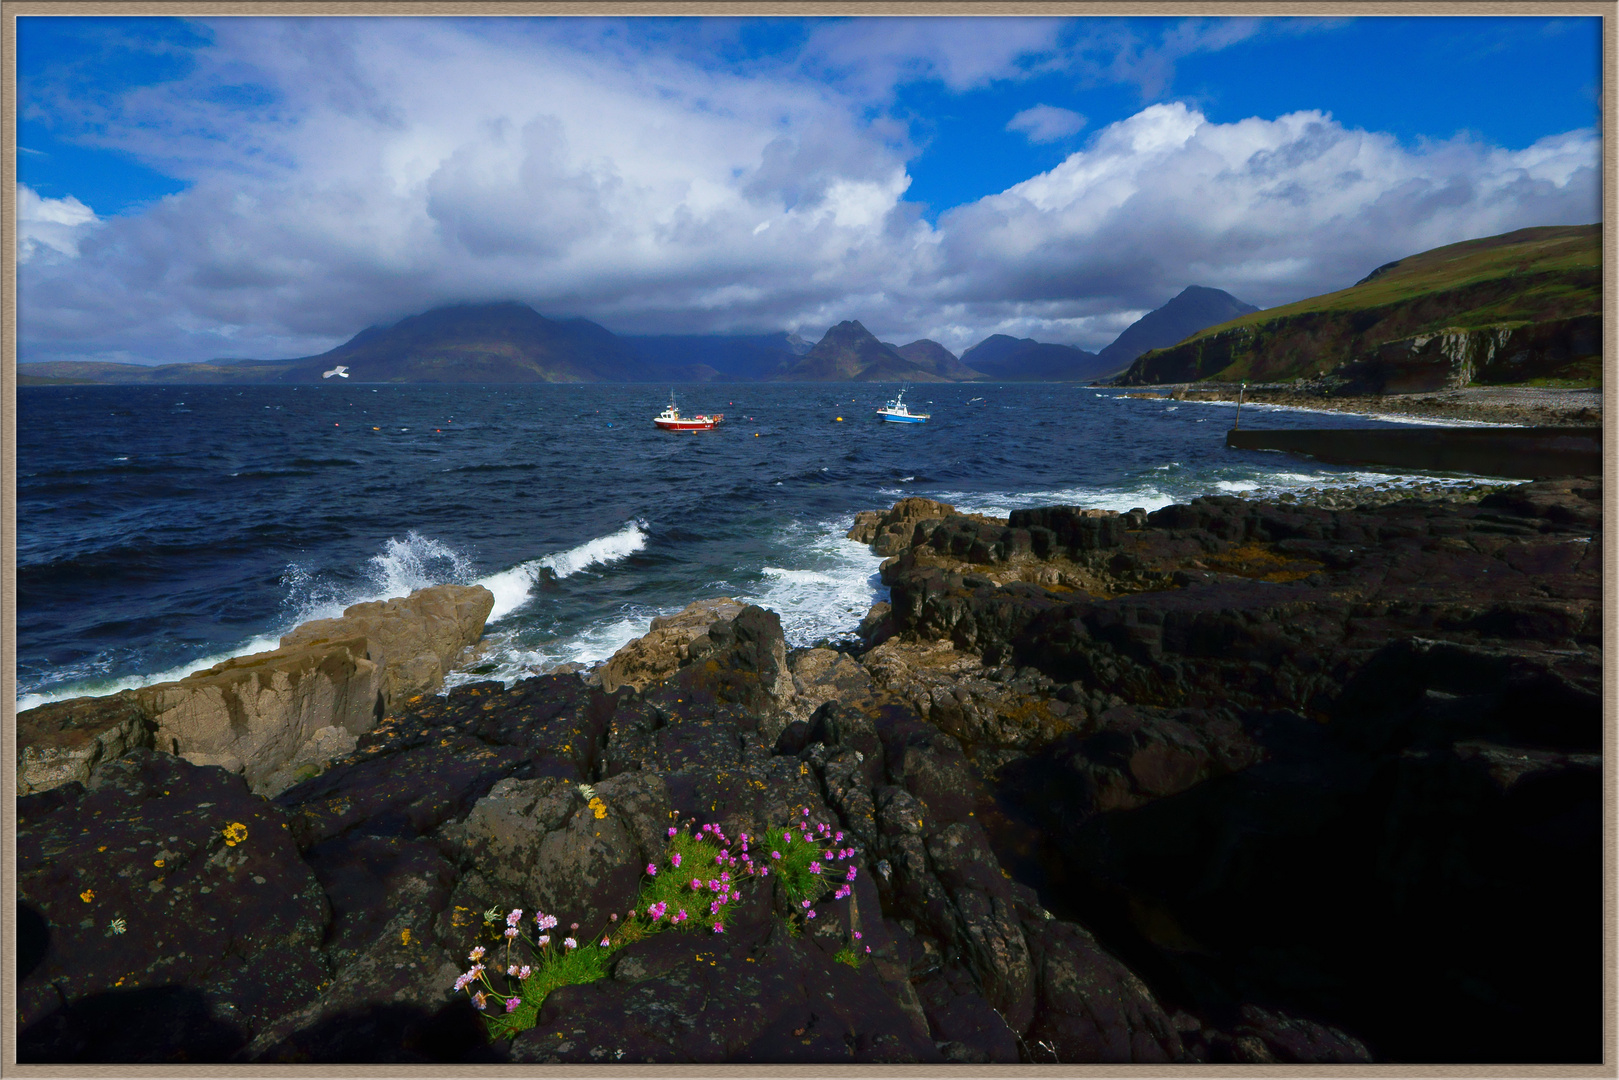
{"x":268,"y":187}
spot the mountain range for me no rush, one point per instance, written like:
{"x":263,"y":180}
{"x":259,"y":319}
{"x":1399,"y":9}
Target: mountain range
{"x":510,"y":342}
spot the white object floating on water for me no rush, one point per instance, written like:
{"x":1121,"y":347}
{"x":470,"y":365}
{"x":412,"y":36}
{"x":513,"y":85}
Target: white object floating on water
{"x":341,"y":370}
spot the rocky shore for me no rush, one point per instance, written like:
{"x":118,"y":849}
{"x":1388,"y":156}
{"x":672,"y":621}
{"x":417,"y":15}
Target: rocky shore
{"x":1226,"y":782}
{"x":1523,"y":406}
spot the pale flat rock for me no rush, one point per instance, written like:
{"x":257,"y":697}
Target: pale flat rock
{"x":659,"y":652}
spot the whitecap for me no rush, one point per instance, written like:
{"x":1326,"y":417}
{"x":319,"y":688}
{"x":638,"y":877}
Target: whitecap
{"x":513,"y":588}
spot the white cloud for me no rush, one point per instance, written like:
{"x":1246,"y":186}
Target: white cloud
{"x":398,"y":164}
{"x":1046,"y":123}
{"x":58,"y":225}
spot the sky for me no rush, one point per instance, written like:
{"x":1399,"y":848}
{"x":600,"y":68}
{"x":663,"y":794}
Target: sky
{"x":192,"y":189}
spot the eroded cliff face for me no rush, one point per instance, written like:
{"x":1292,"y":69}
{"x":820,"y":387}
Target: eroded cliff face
{"x":1348,"y":351}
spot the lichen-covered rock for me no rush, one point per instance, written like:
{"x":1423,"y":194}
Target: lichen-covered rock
{"x":65,"y":741}
{"x":180,"y":917}
{"x":1091,"y":1008}
{"x":658,"y":654}
{"x":576,"y":855}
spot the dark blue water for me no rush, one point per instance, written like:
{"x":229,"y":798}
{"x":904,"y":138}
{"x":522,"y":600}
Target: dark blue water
{"x":162,"y":528}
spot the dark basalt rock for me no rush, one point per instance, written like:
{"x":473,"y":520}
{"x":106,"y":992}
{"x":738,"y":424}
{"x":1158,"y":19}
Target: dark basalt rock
{"x":1303,"y":786}
{"x":177,"y":908}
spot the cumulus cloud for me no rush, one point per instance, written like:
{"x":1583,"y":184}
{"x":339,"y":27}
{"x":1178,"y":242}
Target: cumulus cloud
{"x":1046,"y":123}
{"x":53,"y":225}
{"x":1270,"y":210}
{"x":386,"y":166}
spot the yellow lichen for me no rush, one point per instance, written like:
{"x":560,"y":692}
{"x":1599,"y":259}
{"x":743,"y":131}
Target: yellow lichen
{"x":599,"y":808}
{"x":234,"y":833}
{"x":87,"y":895}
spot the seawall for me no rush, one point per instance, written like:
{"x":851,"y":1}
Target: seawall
{"x":1523,"y":453}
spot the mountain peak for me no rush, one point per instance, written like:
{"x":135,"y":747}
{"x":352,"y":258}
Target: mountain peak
{"x":1194,"y":308}
{"x":850,"y":353}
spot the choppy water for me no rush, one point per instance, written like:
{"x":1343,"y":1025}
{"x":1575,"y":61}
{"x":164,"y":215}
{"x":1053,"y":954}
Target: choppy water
{"x":160,"y":530}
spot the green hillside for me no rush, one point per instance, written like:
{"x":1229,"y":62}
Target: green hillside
{"x":1521,"y":306}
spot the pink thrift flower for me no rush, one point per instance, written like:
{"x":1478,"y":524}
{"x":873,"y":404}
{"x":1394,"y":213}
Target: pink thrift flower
{"x":512,"y":1003}
{"x":839,"y":837}
{"x":543,"y":940}
{"x":857,"y":935}
{"x":671,"y":830}
{"x":569,"y":943}
{"x":725,"y":875}
{"x":476,"y":953}
{"x":787,"y":835}
{"x":868,"y":948}
{"x":811,"y":915}
{"x":764,"y":871}
{"x":652,"y":869}
{"x":604,"y":943}
{"x":806,"y":903}
{"x":696,"y":884}
{"x":775,"y":854}
{"x":806,"y":811}
{"x":815,"y":868}
{"x":850,"y":875}
{"x":827,"y":855}
{"x":479,"y":999}
{"x":682,"y":917}
{"x":674,"y":860}
{"x":515,"y":917}
{"x":511,"y":931}
{"x":736,"y":895}
{"x":524,"y":972}
{"x":613,"y":916}
{"x":573,"y":926}
{"x":719,"y":928}
{"x":512,"y":970}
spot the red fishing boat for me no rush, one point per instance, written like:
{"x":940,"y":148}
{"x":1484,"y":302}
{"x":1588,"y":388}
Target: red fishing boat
{"x":671,"y":420}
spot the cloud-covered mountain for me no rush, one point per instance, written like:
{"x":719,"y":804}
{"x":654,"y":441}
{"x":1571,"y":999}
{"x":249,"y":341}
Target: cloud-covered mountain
{"x":851,"y":353}
{"x":478,"y":343}
{"x":1010,"y":359}
{"x":1194,"y":308}
{"x":934,"y":357}
{"x":580,"y":166}
{"x":707,"y":357}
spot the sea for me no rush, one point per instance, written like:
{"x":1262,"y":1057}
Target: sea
{"x":161,"y":530}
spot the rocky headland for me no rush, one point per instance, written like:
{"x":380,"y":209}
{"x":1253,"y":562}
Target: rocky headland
{"x":1226,"y":782}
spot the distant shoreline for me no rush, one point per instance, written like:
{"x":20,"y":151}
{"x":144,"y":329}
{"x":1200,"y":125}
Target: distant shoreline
{"x":1519,"y":406}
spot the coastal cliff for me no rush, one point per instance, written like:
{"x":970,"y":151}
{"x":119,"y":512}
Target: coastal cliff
{"x":1225,"y":782}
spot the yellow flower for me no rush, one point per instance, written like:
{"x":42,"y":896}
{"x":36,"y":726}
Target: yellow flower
{"x":235,"y":833}
{"x":87,"y":895}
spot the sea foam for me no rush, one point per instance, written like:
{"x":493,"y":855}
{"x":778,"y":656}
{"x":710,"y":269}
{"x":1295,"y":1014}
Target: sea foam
{"x":513,"y":588}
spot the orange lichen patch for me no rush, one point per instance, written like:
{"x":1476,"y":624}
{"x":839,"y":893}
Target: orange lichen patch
{"x":87,"y":895}
{"x":234,"y":833}
{"x":1257,"y":561}
{"x":599,"y":808}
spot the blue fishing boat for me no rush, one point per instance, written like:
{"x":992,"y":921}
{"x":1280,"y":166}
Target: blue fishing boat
{"x":898,"y":412}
